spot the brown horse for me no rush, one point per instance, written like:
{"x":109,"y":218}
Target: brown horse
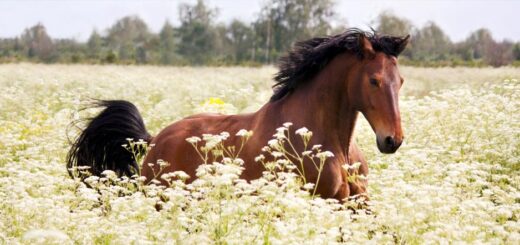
{"x":322,"y":84}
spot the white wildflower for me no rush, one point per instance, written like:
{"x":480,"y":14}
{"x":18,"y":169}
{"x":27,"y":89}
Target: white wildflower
{"x":244,"y":133}
{"x":308,"y":186}
{"x":306,"y":153}
{"x":224,"y":135}
{"x":277,"y":154}
{"x":193,"y":139}
{"x":280,"y":133}
{"x":181,"y":175}
{"x":55,"y":235}
{"x":273,"y":143}
{"x":324,"y":154}
{"x":259,"y":158}
{"x":302,"y":131}
{"x":162,"y":163}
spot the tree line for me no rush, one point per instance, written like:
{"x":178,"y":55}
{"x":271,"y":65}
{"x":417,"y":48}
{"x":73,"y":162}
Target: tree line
{"x":200,"y":40}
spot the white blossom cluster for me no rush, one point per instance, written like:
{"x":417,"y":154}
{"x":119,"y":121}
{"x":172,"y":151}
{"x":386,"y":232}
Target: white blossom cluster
{"x":455,"y":179}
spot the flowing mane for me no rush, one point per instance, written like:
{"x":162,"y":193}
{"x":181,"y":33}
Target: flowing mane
{"x":308,"y":57}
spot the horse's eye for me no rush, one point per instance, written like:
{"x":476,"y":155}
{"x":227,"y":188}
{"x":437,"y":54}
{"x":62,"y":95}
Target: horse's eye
{"x":374,"y":82}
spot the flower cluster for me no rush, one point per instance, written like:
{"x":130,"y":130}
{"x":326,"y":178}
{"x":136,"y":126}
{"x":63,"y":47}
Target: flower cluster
{"x":456,"y":178}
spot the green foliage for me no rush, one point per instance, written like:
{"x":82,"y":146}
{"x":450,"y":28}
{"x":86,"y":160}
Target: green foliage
{"x":388,"y":23}
{"x":430,"y":43}
{"x":167,"y":44}
{"x":94,"y":45}
{"x":196,"y":33}
{"x":516,"y":52}
{"x":200,"y":40}
{"x":37,"y":43}
{"x":283,"y":22}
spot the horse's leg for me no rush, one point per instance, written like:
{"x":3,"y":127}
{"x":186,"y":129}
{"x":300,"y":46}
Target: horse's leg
{"x":358,"y":186}
{"x":343,"y":192}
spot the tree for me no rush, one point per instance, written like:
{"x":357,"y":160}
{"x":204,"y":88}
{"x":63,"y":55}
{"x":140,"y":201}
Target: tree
{"x":431,"y":43}
{"x":196,"y":33}
{"x":388,"y":23}
{"x":167,"y":44}
{"x":480,"y":41}
{"x":241,"y":41}
{"x":499,"y":54}
{"x":68,"y":50}
{"x":283,"y":22}
{"x":516,"y":51}
{"x":94,"y":45}
{"x":126,"y":36}
{"x":38,"y":43}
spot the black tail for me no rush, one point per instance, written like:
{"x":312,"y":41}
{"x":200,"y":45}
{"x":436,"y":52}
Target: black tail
{"x":99,"y":146}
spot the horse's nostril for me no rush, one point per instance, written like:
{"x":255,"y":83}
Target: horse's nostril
{"x":389,"y":141}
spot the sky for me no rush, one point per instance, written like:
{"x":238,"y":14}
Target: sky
{"x":77,"y":18}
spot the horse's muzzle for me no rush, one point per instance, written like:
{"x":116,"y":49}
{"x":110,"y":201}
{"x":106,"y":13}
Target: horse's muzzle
{"x":388,"y":144}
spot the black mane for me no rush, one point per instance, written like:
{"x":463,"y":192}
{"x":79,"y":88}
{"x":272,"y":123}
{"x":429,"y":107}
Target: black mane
{"x":307,"y":58}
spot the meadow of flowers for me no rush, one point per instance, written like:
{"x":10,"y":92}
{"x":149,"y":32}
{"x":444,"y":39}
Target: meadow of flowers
{"x":455,"y":178}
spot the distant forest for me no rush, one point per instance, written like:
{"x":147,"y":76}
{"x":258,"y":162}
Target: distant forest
{"x":200,"y":40}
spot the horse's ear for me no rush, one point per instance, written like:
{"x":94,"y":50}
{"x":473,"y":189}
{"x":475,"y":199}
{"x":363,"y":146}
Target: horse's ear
{"x":402,"y":45}
{"x":366,"y":47}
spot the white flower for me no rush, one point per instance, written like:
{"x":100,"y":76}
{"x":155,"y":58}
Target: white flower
{"x":302,"y":131}
{"x":280,"y":133}
{"x":41,"y":235}
{"x":224,"y":135}
{"x":92,"y":179}
{"x":316,"y":147}
{"x":259,"y":158}
{"x":193,"y":139}
{"x":276,"y":154}
{"x":308,"y":186}
{"x":238,"y":161}
{"x":306,"y":153}
{"x":354,"y":166}
{"x":287,"y":124}
{"x":166,"y":176}
{"x":109,"y":174}
{"x":181,"y":175}
{"x":244,"y":133}
{"x":324,"y":154}
{"x":273,"y":143}
{"x":163,"y":163}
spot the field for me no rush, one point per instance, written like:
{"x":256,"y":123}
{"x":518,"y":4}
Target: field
{"x":456,"y":177}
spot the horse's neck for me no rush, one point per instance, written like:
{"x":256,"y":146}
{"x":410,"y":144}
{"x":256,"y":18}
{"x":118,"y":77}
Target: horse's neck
{"x":321,"y":106}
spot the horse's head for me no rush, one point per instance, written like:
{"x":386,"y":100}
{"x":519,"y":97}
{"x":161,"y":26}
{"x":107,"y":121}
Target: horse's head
{"x":374,"y":89}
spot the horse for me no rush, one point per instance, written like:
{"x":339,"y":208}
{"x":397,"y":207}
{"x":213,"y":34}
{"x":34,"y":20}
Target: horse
{"x":322,"y":84}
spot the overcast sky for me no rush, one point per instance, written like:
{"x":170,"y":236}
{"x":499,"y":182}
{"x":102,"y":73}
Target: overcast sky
{"x":77,"y":19}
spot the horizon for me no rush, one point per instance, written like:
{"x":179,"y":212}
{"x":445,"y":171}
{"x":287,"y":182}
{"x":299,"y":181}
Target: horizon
{"x":101,"y":15}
